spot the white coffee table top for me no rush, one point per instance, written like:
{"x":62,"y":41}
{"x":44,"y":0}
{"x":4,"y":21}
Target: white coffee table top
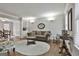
{"x":34,"y":49}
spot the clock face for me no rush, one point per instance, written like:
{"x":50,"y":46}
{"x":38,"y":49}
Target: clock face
{"x":41,"y":26}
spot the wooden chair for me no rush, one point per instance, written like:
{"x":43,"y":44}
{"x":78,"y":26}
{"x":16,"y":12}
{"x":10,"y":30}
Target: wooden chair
{"x":65,"y":36}
{"x":6,"y":33}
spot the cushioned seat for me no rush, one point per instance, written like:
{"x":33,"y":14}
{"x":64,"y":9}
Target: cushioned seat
{"x":40,"y":35}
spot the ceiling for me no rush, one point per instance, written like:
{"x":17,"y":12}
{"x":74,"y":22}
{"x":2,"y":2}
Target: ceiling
{"x":30,"y":9}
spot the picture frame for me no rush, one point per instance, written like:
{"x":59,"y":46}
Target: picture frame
{"x":70,"y":20}
{"x":41,"y":25}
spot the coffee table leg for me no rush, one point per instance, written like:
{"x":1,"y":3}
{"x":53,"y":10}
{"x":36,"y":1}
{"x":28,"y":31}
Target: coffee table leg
{"x":13,"y":51}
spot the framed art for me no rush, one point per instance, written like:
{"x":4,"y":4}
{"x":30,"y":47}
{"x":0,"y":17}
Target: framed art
{"x":70,"y":20}
{"x":41,"y":26}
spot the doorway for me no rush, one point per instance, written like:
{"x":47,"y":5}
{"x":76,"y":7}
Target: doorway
{"x":7,"y":29}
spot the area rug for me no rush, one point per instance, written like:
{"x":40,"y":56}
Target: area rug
{"x":33,"y":49}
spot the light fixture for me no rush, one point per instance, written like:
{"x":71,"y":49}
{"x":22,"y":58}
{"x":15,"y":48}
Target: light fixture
{"x":28,"y":18}
{"x":25,"y":18}
{"x":49,"y":14}
{"x":1,"y":18}
{"x":4,"y":19}
{"x":51,"y":18}
{"x":32,"y":20}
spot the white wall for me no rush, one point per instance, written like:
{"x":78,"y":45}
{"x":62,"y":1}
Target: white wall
{"x":76,"y":36}
{"x":55,"y":26}
{"x":24,"y":24}
{"x":16,"y":27}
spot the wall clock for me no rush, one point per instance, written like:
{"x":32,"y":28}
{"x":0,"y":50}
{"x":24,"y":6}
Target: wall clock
{"x":41,"y":26}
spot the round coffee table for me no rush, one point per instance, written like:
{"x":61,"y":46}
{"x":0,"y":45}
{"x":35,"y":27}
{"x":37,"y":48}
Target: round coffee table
{"x":33,"y":49}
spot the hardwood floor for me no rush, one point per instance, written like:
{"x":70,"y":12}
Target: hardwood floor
{"x":54,"y":51}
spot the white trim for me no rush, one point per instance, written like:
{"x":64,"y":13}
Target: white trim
{"x":5,"y":13}
{"x":76,"y":46}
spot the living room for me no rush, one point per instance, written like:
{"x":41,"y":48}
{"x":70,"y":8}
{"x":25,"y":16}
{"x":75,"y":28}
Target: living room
{"x":35,"y":29}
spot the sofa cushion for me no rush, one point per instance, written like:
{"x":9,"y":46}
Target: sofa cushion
{"x":29,"y":34}
{"x":43,"y":32}
{"x":35,"y":32}
{"x":38,"y":32}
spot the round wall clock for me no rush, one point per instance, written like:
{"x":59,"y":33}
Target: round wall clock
{"x":41,"y":26}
